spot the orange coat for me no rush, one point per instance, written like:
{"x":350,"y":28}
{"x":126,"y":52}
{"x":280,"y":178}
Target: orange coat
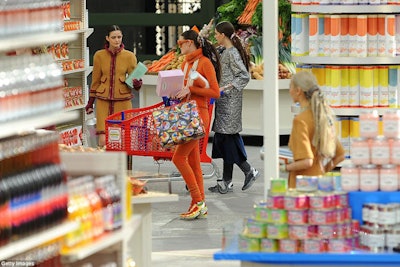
{"x":107,"y":84}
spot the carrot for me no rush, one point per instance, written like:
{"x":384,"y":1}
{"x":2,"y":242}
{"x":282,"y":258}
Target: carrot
{"x":162,"y":62}
{"x":248,"y":12}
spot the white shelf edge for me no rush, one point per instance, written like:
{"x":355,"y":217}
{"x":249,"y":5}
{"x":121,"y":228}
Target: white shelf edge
{"x":33,"y":40}
{"x":346,"y":60}
{"x":356,"y":9}
{"x":103,"y":242}
{"x":154,"y":197}
{"x":14,"y":248}
{"x":74,"y":108}
{"x":357,"y":111}
{"x":21,"y":125}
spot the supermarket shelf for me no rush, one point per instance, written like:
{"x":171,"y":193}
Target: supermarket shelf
{"x":358,"y":258}
{"x":25,"y":244}
{"x":347,"y":60}
{"x":77,"y":70}
{"x":106,"y":241}
{"x":31,"y":123}
{"x":33,"y":40}
{"x":154,"y":197}
{"x":342,"y":9}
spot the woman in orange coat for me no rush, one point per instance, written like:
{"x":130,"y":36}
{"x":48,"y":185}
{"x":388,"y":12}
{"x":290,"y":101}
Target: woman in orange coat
{"x":186,"y":157}
{"x":110,"y":68}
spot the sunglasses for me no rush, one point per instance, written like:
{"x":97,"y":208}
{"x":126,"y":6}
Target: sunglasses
{"x":181,"y":42}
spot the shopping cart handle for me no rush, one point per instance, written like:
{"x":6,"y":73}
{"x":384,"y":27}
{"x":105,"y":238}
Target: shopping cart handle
{"x":115,"y":121}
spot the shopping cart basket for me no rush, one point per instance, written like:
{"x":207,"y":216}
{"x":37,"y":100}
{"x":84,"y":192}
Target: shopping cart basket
{"x":134,"y":132}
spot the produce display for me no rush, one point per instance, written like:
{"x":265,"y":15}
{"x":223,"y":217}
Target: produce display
{"x":246,"y":16}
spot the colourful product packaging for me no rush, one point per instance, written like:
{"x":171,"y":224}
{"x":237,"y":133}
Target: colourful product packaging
{"x":383,"y":86}
{"x":372,"y":25}
{"x":366,"y":86}
{"x":376,"y":86}
{"x":393,"y":83}
{"x":344,"y":86}
{"x":352,"y":36}
{"x":390,"y":34}
{"x":397,"y":37}
{"x":344,"y":36}
{"x":335,"y":100}
{"x":335,"y":36}
{"x":327,"y":36}
{"x":361,"y":36}
{"x":313,"y":35}
{"x":381,"y":35}
{"x":321,"y":35}
{"x":354,"y":86}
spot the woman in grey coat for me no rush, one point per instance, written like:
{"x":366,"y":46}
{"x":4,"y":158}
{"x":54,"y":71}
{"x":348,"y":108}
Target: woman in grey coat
{"x":227,"y":142}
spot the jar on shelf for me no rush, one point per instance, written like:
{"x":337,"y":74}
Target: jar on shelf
{"x":380,"y":151}
{"x":360,"y":151}
{"x":395,"y":151}
{"x":350,"y":177}
{"x":388,"y":178}
{"x":391,"y":123}
{"x":369,"y":178}
{"x":369,"y":123}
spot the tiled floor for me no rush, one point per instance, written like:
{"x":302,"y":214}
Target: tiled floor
{"x":183,"y":243}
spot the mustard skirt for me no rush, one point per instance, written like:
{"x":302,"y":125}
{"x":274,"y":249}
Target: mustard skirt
{"x":105,"y":108}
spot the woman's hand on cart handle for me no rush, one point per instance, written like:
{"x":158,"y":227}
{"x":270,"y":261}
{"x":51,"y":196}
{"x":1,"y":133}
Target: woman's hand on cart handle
{"x":89,"y":107}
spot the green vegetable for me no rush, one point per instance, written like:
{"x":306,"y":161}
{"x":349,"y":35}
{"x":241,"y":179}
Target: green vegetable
{"x":285,"y":57}
{"x":231,"y":11}
{"x":257,"y":20}
{"x":256,"y":50}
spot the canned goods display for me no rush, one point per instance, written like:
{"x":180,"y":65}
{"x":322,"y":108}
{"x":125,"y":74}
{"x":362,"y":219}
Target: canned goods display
{"x":297,"y":216}
{"x":322,"y":201}
{"x":278,"y":185}
{"x":277,"y":231}
{"x":322,"y":216}
{"x":392,"y":238}
{"x":313,"y":245}
{"x":255,"y":229}
{"x":306,"y":183}
{"x":302,"y":231}
{"x":327,"y":231}
{"x":296,"y":202}
{"x":342,"y":199}
{"x":248,"y":244}
{"x":262,"y":214}
{"x":269,"y":245}
{"x":275,"y":201}
{"x":289,"y":246}
{"x":340,"y":245}
{"x":278,"y":216}
{"x":325,"y":183}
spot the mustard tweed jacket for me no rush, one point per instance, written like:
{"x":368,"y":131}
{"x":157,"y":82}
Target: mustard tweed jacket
{"x":109,"y":74}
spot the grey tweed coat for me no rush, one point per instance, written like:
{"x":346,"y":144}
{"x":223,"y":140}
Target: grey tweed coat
{"x":228,"y":108}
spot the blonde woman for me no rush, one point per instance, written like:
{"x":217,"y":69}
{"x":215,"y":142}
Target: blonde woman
{"x":313,"y":141}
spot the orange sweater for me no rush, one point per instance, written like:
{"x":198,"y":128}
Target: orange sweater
{"x":206,"y":69}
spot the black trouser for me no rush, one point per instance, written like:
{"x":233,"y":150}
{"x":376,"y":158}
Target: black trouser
{"x":228,"y":170}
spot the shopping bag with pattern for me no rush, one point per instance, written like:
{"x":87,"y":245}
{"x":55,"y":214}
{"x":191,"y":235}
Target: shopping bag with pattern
{"x":178,"y":124}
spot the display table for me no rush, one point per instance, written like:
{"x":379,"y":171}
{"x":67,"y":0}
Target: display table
{"x":354,"y":258}
{"x":141,"y":205}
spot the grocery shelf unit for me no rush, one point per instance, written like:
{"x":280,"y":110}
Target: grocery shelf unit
{"x":13,"y":128}
{"x":348,"y":9}
{"x":112,"y":244}
{"x":78,"y":77}
{"x":355,"y":258}
{"x":252,"y":104}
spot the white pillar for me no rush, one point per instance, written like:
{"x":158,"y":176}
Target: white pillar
{"x":270,"y":92}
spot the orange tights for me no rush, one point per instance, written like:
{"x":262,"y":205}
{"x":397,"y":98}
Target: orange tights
{"x":187,"y":160}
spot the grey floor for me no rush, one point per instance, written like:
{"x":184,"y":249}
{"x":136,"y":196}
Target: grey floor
{"x":180,"y":243}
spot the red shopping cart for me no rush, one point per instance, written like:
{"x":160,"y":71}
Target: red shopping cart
{"x":134,"y":132}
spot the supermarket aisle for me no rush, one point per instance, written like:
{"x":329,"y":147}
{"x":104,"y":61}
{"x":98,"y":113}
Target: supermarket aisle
{"x":180,"y":243}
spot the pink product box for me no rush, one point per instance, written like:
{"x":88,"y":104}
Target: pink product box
{"x":169,"y":82}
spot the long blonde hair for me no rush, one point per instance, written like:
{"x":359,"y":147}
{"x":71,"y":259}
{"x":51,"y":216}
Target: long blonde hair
{"x":325,"y":138}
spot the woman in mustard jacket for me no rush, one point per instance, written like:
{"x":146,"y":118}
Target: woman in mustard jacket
{"x":111,"y":65}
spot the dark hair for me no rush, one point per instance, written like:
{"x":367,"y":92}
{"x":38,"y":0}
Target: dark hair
{"x":228,"y":29}
{"x":109,"y":30}
{"x":208,"y":49}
